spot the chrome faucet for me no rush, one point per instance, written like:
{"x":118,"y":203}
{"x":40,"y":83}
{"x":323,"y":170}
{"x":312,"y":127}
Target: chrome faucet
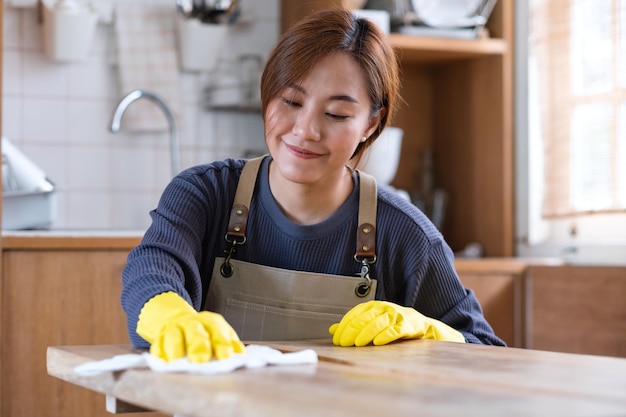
{"x":136,"y":95}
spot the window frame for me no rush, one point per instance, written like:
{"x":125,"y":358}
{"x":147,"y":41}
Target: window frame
{"x":588,"y":239}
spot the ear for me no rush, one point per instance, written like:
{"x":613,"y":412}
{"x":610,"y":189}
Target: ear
{"x":374,"y":122}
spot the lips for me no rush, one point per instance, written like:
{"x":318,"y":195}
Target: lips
{"x":301,"y":153}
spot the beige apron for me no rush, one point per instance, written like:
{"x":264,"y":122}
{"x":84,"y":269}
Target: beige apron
{"x":266,"y":303}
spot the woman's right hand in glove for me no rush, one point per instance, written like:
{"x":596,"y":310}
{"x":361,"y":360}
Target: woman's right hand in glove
{"x":175,"y":330}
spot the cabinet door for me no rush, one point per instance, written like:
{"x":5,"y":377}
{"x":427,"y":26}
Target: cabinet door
{"x":56,"y":298}
{"x":578,"y":309}
{"x":498,"y":295}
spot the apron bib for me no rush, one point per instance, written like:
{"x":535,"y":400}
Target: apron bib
{"x":267,"y":303}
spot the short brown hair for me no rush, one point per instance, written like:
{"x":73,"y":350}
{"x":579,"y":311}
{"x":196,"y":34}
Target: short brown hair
{"x":332,"y":31}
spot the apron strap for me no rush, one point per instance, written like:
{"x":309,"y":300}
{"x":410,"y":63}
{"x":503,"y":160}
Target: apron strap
{"x":366,"y":234}
{"x":241,"y":205}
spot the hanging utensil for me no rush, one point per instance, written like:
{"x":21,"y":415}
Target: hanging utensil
{"x":220,"y":11}
{"x":185,"y":8}
{"x":198,"y":8}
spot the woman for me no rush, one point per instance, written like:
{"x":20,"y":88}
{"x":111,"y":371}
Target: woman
{"x":299,"y":244}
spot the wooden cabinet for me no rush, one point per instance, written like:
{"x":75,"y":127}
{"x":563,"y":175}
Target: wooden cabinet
{"x":499,"y":287}
{"x":58,"y":294}
{"x":547,"y":305}
{"x":458,"y":103}
{"x":577,"y":309}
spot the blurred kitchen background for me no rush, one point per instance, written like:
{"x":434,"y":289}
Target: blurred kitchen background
{"x":58,"y":113}
{"x":63,"y":79}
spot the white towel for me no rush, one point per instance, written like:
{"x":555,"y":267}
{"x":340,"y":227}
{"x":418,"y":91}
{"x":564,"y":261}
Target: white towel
{"x":256,"y":356}
{"x":146,"y":57}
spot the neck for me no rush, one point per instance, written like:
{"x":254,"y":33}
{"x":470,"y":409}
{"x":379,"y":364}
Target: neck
{"x":310,"y":203}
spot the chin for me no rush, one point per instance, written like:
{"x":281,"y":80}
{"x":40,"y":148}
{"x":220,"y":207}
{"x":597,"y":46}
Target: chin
{"x":296,"y":173}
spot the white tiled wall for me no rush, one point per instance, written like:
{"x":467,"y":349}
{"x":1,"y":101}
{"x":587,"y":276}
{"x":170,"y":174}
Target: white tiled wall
{"x":59,"y":115}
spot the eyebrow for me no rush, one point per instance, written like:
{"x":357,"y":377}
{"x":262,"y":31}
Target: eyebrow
{"x":341,"y":97}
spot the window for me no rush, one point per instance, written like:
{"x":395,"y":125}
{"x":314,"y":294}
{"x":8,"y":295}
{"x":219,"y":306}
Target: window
{"x":573,"y":101}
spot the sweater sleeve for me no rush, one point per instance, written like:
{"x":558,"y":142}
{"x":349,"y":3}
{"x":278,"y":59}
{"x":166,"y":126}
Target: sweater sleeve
{"x":442,"y":296}
{"x":168,"y":257}
{"x":417,"y":266}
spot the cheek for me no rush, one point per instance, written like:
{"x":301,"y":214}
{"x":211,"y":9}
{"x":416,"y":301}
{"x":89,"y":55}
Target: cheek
{"x":351,"y":146}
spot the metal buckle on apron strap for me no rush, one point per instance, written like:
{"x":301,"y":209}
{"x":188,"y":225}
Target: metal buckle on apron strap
{"x":236,"y":235}
{"x":365,"y":255}
{"x":363,"y":288}
{"x":226,"y":269}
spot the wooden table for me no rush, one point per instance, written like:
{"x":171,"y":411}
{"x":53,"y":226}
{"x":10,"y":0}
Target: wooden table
{"x":410,"y":378}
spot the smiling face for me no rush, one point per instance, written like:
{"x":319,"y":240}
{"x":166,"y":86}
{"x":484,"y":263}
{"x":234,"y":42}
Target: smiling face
{"x":313,"y":128}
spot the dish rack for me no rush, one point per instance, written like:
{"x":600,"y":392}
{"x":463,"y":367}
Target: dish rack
{"x":25,"y":209}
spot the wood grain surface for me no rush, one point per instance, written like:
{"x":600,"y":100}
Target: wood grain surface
{"x":401,"y":379}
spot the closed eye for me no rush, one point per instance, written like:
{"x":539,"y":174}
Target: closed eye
{"x":337,"y":117}
{"x":291,"y":103}
{"x":296,"y":104}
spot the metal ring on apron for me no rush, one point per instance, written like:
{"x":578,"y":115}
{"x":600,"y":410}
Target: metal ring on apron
{"x":226,"y":269}
{"x":363,"y":288}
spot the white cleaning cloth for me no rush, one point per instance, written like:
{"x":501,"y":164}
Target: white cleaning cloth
{"x":256,"y":356}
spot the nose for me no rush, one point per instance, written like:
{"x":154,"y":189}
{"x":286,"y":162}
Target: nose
{"x":306,"y":125}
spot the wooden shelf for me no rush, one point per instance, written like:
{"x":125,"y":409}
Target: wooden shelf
{"x":70,"y":240}
{"x":423,"y":50}
{"x":242,"y":108}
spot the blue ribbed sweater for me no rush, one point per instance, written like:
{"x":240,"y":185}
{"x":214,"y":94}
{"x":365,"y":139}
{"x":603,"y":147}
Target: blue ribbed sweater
{"x":414,"y":264}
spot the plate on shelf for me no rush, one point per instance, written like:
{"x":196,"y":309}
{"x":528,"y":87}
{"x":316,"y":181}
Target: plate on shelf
{"x":451,"y":13}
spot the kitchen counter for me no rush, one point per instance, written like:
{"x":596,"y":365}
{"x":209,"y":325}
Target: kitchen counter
{"x":71,"y":239}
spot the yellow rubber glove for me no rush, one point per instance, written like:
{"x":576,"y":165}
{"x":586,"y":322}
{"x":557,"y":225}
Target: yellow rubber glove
{"x":175,"y":330}
{"x":382,"y":322}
